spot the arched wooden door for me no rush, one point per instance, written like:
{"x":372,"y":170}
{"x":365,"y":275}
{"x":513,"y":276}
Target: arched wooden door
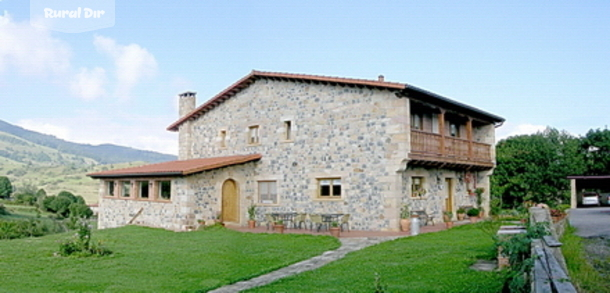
{"x":230,"y":201}
{"x":449,"y":194}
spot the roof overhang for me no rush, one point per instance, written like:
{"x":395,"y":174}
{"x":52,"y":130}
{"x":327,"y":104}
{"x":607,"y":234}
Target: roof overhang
{"x":176,"y":168}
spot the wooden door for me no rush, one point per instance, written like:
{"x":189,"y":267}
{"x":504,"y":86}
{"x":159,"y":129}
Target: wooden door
{"x":449,"y":193}
{"x":230,"y":202}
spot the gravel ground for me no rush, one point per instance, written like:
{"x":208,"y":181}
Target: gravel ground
{"x":597,"y":250}
{"x":592,"y":225}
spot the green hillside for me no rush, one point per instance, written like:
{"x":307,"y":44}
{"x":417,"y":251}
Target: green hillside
{"x":103,"y":154}
{"x":31,"y":159}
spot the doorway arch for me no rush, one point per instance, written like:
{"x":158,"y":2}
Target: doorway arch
{"x":230,"y":201}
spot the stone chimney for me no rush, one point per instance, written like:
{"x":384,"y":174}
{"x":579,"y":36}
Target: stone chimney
{"x":381,"y":78}
{"x":187,"y":103}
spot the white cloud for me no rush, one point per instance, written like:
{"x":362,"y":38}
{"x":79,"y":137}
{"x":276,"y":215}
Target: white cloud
{"x":133,"y":63}
{"x":45,"y":127}
{"x":508,"y":130}
{"x":89,"y":84}
{"x":31,"y":51}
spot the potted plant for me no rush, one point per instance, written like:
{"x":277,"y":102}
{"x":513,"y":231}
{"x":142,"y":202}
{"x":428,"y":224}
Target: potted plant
{"x":279,"y":226}
{"x":251,"y":216}
{"x":556,"y":215}
{"x":473,"y":214}
{"x":405,"y":221}
{"x":448,"y":219}
{"x":335,"y":230}
{"x":218,"y":219}
{"x":461,"y":214}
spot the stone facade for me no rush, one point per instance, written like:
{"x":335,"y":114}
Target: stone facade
{"x":305,"y":132}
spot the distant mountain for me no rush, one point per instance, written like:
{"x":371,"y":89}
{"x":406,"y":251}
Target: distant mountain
{"x":102,"y":154}
{"x":35,"y":160}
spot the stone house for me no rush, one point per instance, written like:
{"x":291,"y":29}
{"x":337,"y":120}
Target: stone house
{"x":309,"y":144}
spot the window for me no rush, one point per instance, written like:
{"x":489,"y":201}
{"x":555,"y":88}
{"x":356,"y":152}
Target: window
{"x":287,"y":130}
{"x":416,"y":121}
{"x":223,"y":138}
{"x":143,"y":189}
{"x":329,"y":188}
{"x":253,"y":135}
{"x":110,"y":188}
{"x":267,"y":192}
{"x":165,"y":190}
{"x":417,"y":187}
{"x":454,"y":130}
{"x":126,"y":192}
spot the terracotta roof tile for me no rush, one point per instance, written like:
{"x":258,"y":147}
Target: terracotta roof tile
{"x":177,"y":168}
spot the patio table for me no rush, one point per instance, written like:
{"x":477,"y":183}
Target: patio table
{"x":329,"y":218}
{"x":285,"y":217}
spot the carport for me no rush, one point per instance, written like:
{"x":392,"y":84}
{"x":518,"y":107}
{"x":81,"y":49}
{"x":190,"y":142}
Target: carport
{"x":599,"y":183}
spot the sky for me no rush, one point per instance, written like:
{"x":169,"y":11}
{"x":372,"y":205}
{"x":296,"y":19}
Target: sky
{"x":534,"y":63}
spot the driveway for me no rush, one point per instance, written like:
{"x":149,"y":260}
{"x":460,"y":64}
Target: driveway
{"x":591,"y":221}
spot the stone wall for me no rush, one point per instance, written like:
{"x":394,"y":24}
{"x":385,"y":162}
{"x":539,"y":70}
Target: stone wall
{"x":357,"y":134}
{"x":117,"y":212}
{"x":433,"y":202}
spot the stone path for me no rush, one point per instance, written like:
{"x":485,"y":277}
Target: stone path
{"x":347,"y":245}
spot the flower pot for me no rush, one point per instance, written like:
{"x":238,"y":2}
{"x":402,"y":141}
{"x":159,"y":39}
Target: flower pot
{"x":449,"y":224}
{"x":335,"y":231}
{"x":279,"y":228}
{"x":251,"y":224}
{"x":474,"y":219}
{"x":405,"y":225}
{"x":461,"y":216}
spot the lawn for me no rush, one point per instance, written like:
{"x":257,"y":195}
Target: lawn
{"x":435,"y":262}
{"x":152,"y":260}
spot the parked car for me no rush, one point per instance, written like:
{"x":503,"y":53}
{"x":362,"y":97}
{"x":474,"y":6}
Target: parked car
{"x":604,"y":198}
{"x":590,"y":198}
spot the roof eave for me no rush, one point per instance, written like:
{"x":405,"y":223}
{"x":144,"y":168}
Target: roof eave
{"x":131,"y":175}
{"x":440,"y":100}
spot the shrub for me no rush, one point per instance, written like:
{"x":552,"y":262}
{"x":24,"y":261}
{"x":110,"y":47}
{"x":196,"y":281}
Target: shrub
{"x":474,"y":212}
{"x":80,"y":245}
{"x":518,"y":250}
{"x":27,"y":228}
{"x":3,"y":211}
{"x":80,"y":210}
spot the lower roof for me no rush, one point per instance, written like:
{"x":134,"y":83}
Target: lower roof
{"x":177,"y":168}
{"x":590,"y":177}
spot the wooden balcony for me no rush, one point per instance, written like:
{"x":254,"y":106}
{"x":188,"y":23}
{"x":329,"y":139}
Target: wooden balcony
{"x":435,"y":150}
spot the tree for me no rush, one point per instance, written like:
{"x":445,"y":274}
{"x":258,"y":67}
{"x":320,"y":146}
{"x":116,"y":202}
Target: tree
{"x":6,"y":188}
{"x":596,"y":146}
{"x":534,"y":167}
{"x":80,"y":210}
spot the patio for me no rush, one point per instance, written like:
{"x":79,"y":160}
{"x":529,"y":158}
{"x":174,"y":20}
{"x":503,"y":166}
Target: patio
{"x":262,"y":228}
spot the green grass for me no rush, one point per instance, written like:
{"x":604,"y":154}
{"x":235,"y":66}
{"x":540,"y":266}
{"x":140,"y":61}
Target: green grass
{"x":435,"y":262}
{"x":152,"y":260}
{"x":581,"y":271}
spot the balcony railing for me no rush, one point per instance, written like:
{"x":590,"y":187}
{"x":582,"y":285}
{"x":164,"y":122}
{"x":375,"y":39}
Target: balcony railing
{"x":435,"y":147}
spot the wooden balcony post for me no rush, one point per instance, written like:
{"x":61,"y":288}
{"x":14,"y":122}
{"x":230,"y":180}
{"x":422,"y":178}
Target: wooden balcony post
{"x":441,"y":130}
{"x":469,"y":136}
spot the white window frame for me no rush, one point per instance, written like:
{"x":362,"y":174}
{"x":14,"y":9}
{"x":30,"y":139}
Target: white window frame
{"x":267,"y":196}
{"x":332,"y":182}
